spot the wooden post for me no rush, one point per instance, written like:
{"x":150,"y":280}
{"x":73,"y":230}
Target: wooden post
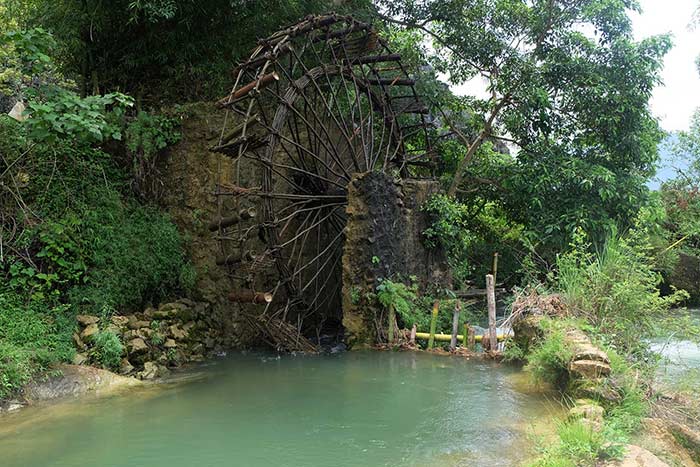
{"x":471,"y":339}
{"x":414,"y":329}
{"x":455,"y":325}
{"x":495,"y":267}
{"x":433,"y":323}
{"x":392,"y":319}
{"x":465,"y":335}
{"x":491,"y":302}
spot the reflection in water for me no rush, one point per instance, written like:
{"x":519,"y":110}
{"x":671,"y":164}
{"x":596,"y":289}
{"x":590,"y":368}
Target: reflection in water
{"x":354,"y":409}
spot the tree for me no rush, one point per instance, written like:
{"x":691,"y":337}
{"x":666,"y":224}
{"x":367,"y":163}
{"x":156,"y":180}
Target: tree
{"x":568,"y":90}
{"x":161,"y":49}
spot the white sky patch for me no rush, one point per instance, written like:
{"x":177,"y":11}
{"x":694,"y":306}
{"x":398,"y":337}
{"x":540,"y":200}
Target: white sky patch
{"x":676,"y":99}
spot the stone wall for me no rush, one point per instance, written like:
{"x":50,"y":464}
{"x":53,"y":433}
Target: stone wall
{"x":384,"y":240}
{"x":155,"y":340}
{"x":189,"y":173}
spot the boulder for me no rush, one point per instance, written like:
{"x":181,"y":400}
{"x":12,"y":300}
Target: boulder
{"x":172,"y":306}
{"x":125,"y":367}
{"x":79,"y":359}
{"x":89,"y":332}
{"x":164,"y":314}
{"x":87,"y":320}
{"x":170,"y":344}
{"x":176,"y":333}
{"x":74,"y":380}
{"x":138,"y":324}
{"x":152,"y":370}
{"x":589,"y":352}
{"x":79,"y":344}
{"x":137,"y":346}
{"x":119,"y":321}
{"x":145,"y":333}
{"x":588,"y":412}
{"x":148,"y":312}
{"x":636,"y":456}
{"x":590,"y":369}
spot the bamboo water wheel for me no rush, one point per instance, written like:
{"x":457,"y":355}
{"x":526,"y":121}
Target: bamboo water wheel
{"x":314,"y":104}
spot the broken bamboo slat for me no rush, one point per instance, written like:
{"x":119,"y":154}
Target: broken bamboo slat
{"x":242,"y":92}
{"x":235,"y":258}
{"x":455,"y":325}
{"x":223,"y":222}
{"x":491,"y":305}
{"x":250,"y":296}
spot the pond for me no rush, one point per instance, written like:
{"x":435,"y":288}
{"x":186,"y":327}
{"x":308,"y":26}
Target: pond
{"x":349,"y":409}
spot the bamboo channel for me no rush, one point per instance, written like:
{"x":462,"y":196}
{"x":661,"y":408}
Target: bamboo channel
{"x":448,"y":337}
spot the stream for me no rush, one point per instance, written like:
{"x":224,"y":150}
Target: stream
{"x":350,"y":409}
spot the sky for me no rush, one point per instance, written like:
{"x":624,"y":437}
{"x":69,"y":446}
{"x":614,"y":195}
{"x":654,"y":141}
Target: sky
{"x":673,"y":102}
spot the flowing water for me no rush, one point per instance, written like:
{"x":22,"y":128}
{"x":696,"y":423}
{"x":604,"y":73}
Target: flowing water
{"x":351,"y":409}
{"x":680,"y":355}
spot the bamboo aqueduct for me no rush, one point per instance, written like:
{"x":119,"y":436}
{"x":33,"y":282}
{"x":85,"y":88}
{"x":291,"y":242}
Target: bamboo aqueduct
{"x":313,"y":106}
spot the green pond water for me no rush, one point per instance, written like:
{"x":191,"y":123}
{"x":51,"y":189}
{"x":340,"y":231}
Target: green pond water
{"x":350,"y":409}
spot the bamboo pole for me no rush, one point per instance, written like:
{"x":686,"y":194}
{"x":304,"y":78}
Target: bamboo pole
{"x":433,"y":324}
{"x":455,"y":325}
{"x":392,"y":319}
{"x":223,"y":222}
{"x":491,"y":302}
{"x":464,"y":335}
{"x":471,"y":339}
{"x":495,"y":267}
{"x":447,"y":337}
{"x":250,"y":296}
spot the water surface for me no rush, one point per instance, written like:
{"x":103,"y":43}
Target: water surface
{"x":353,"y":409}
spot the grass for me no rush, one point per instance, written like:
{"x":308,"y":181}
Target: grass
{"x":33,"y":335}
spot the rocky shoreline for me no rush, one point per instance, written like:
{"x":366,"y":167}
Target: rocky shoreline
{"x":155,"y":340}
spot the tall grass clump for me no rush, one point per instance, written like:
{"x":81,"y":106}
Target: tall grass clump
{"x":615,"y":289}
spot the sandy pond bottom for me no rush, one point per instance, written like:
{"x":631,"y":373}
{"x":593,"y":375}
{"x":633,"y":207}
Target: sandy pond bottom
{"x":352,"y":409}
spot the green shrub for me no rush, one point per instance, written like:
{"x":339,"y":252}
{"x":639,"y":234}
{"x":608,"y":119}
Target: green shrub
{"x":401,"y":297}
{"x":108,"y":349}
{"x":33,"y":334}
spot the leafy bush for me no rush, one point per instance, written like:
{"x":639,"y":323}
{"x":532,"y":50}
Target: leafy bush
{"x":401,"y":297}
{"x":135,"y":256}
{"x":56,"y":113}
{"x":108,"y":349}
{"x":146,"y":136}
{"x":449,"y":229}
